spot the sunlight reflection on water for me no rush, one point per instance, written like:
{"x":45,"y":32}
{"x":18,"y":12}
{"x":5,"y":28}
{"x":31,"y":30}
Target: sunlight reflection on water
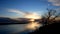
{"x":14,"y":28}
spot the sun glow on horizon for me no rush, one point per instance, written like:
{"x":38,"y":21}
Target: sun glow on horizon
{"x":33,"y":25}
{"x":33,"y":16}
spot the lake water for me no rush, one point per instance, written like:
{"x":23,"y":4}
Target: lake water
{"x":14,"y":28}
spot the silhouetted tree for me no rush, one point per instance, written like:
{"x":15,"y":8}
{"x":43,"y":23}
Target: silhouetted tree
{"x":50,"y":16}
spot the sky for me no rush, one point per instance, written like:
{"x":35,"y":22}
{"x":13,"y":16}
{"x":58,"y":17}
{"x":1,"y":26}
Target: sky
{"x":15,"y":8}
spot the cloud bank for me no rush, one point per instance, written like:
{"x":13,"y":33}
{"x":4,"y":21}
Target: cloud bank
{"x":55,"y":2}
{"x":25,"y":14}
{"x":16,"y":11}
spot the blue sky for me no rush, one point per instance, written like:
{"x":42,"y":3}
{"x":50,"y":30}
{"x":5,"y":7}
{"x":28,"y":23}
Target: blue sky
{"x":38,"y":6}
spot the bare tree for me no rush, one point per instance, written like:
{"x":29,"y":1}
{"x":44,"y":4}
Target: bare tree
{"x":50,"y":16}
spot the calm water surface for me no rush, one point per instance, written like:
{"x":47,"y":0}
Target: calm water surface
{"x":14,"y":28}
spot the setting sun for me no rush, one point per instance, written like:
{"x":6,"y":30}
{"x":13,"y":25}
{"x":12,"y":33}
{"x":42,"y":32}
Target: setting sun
{"x":33,"y":16}
{"x":33,"y":25}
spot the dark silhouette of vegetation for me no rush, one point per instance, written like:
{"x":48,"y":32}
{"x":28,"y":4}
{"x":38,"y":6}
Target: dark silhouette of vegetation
{"x":50,"y":16}
{"x":50,"y":19}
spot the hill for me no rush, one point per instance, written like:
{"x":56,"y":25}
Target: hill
{"x":4,"y":20}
